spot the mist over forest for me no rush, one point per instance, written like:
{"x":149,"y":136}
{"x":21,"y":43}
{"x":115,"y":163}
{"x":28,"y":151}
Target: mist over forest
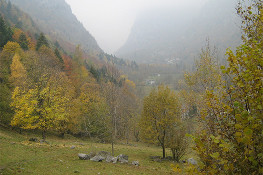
{"x":162,"y":34}
{"x":131,"y":87}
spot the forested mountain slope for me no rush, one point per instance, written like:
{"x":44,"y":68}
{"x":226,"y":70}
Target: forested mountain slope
{"x":55,"y":18}
{"x":160,"y":35}
{"x":50,"y":88}
{"x":15,"y":17}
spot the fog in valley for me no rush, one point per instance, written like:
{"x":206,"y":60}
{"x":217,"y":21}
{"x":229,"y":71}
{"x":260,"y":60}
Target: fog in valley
{"x":110,"y":22}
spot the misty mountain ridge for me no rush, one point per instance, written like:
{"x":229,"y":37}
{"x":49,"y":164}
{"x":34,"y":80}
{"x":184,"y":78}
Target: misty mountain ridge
{"x":55,"y":18}
{"x":161,"y":34}
{"x":16,"y":17}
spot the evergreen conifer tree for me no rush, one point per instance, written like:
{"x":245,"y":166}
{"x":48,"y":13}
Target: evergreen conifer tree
{"x":5,"y":32}
{"x":42,"y":41}
{"x":23,"y":41}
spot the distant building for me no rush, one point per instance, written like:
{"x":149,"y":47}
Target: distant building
{"x":173,"y":60}
{"x":150,"y":82}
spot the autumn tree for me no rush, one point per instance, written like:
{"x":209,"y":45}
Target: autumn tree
{"x":60,"y":94}
{"x":95,"y":120}
{"x":177,"y":140}
{"x":111,"y":90}
{"x":23,"y":39}
{"x":18,"y":76}
{"x":68,"y":66}
{"x":31,"y":43}
{"x":78,"y":72}
{"x":207,"y":74}
{"x":46,"y":108}
{"x":7,"y":54}
{"x":9,"y":50}
{"x":45,"y":103}
{"x":16,"y":34}
{"x":161,"y":111}
{"x":235,"y":144}
{"x":128,"y":110}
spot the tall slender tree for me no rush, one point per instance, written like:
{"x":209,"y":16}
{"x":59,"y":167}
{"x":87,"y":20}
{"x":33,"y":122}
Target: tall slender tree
{"x":5,"y":32}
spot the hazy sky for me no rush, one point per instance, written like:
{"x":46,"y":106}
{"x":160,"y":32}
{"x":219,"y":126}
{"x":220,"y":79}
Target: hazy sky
{"x":110,"y":21}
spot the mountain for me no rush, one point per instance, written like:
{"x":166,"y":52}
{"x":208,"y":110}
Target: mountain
{"x":16,"y":17}
{"x":164,"y":35}
{"x":55,"y":18}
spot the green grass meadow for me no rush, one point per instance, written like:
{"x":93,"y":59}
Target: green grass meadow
{"x":20,"y":156}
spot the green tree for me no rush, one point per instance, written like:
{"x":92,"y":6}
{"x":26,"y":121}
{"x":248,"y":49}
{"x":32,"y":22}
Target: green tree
{"x":42,"y":41}
{"x":57,"y":53}
{"x":161,"y":110}
{"x":23,"y":42}
{"x":5,"y":32}
{"x":6,"y":112}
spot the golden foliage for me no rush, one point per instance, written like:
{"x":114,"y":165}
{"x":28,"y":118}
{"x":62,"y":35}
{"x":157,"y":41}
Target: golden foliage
{"x":161,"y":110}
{"x":18,"y":73}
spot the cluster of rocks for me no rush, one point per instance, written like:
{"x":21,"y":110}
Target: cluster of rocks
{"x":103,"y":155}
{"x":192,"y":161}
{"x":39,"y":141}
{"x":33,"y":140}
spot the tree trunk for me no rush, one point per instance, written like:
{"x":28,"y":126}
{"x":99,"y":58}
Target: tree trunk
{"x":136,"y":134}
{"x":162,"y":143}
{"x":62,"y":135}
{"x":112,"y":137}
{"x":173,"y":152}
{"x":127,"y":136}
{"x":44,"y":135}
{"x":114,"y":131}
{"x":112,"y":147}
{"x":163,"y":151}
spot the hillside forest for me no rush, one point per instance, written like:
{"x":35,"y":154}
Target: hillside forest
{"x":212,"y":109}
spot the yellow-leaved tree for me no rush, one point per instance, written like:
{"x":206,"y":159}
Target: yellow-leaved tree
{"x":161,"y":112}
{"x":18,"y":76}
{"x":6,"y":57}
{"x":43,"y":96}
{"x":45,"y":108}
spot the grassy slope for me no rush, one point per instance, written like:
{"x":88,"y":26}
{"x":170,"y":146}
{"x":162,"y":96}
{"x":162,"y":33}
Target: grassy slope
{"x":19,"y":156}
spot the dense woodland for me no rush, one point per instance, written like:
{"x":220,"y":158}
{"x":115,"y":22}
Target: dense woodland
{"x":212,"y":109}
